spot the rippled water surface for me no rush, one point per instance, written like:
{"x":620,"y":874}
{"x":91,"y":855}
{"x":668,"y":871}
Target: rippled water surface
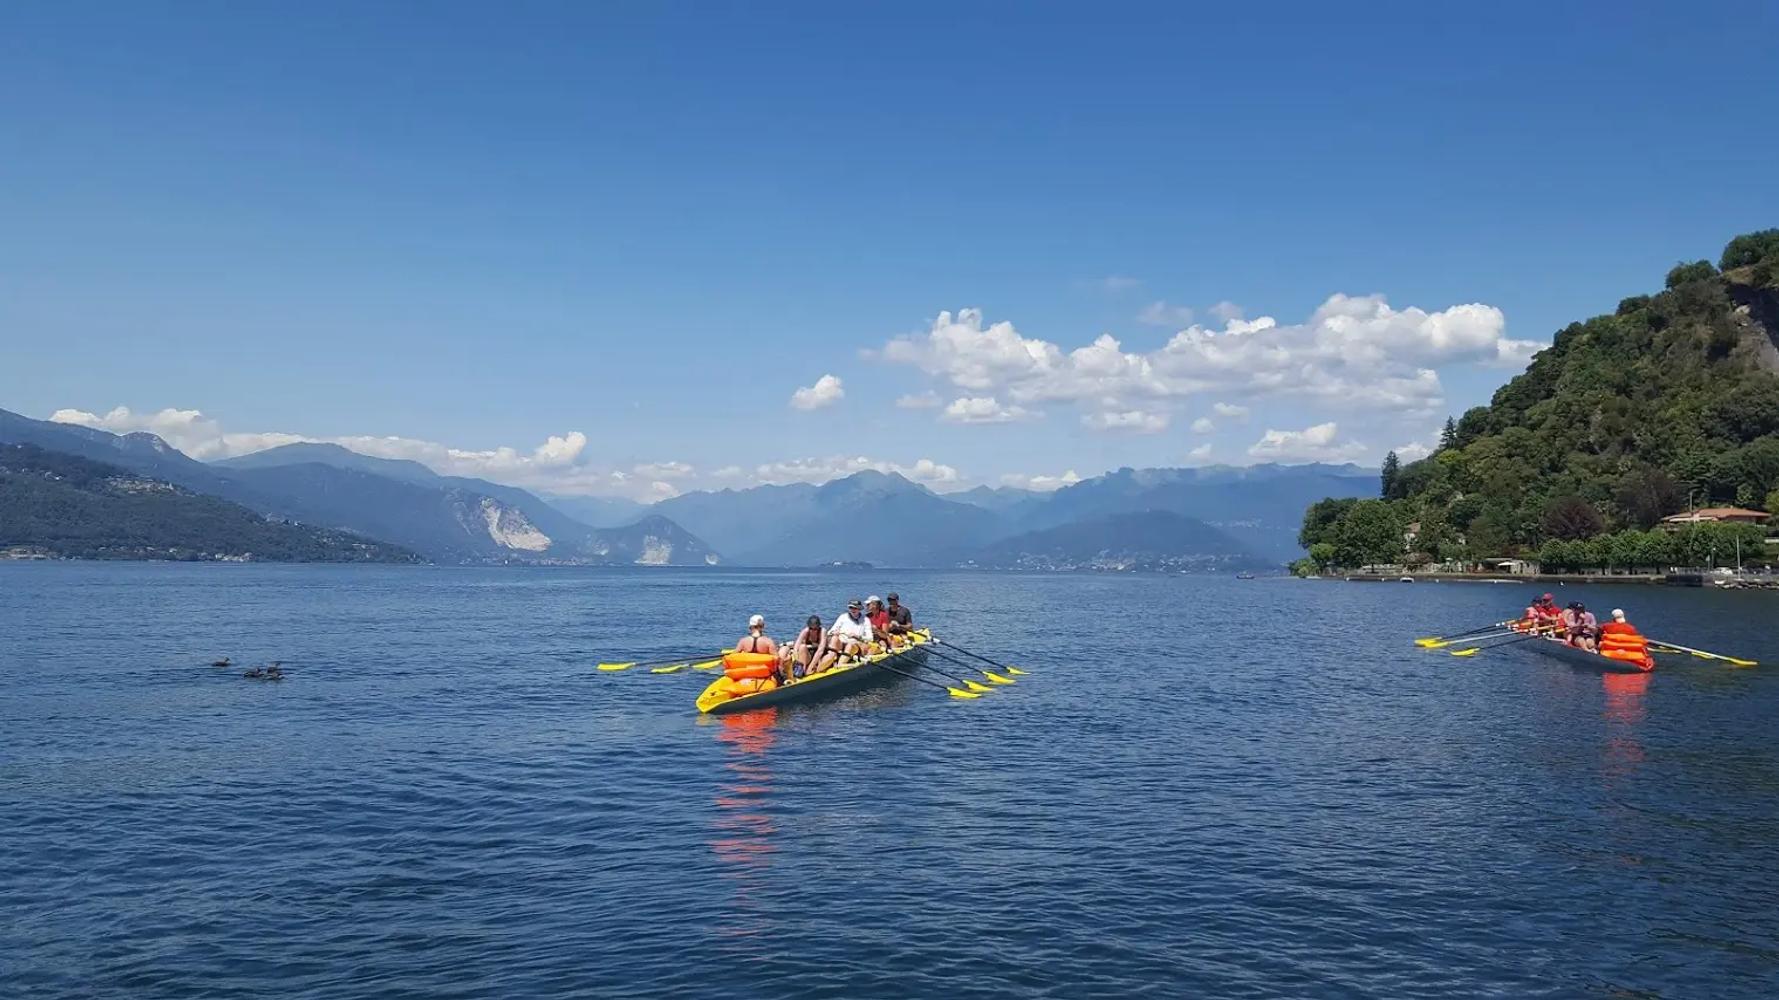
{"x":1203,"y":787}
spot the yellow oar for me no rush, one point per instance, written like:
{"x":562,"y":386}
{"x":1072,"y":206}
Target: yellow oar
{"x":1469,"y":638}
{"x":993,"y":678}
{"x":1431,"y":641}
{"x":1009,"y":668}
{"x":954,"y":692}
{"x":664,"y":666}
{"x":1704,"y":654}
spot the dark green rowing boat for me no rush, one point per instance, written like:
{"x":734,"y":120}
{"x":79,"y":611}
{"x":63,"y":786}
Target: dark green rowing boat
{"x":868,"y":672}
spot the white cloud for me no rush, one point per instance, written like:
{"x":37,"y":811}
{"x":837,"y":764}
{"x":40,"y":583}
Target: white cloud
{"x":928,"y":400}
{"x":1043,"y":484}
{"x":1116,"y":283}
{"x":664,"y":470}
{"x":1227,"y":311}
{"x":821,"y":470}
{"x":1140,"y":421}
{"x":1159,"y":313}
{"x":982,"y":410}
{"x":1412,"y":451}
{"x":1354,"y":352}
{"x":826,"y":391}
{"x":558,"y":465}
{"x":188,"y":430}
{"x":1312,"y":444}
{"x":1230,"y":410}
{"x":1203,"y":425}
{"x":1199,"y":453}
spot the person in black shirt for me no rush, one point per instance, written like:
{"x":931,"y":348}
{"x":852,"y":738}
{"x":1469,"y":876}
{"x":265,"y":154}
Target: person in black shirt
{"x":901,"y":620}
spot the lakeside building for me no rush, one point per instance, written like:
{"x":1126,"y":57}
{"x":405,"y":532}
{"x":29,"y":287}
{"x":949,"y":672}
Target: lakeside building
{"x":1726,"y":515}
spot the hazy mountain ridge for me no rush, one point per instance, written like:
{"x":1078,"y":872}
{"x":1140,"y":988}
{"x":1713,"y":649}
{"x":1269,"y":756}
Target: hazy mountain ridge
{"x":62,"y":505}
{"x":445,"y":518}
{"x":1154,"y":540}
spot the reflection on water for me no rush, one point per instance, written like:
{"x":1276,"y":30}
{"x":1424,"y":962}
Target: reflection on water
{"x":743,"y":835}
{"x":1625,"y":711}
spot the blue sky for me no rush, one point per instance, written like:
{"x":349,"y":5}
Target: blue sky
{"x":457,"y":232}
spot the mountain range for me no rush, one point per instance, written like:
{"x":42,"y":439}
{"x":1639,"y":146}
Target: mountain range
{"x":1210,"y":518}
{"x":445,"y":519}
{"x":57,"y":505}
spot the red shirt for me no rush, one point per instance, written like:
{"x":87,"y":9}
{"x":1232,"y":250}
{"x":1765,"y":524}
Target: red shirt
{"x":879,"y":620}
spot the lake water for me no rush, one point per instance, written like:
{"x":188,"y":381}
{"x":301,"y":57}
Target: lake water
{"x":1204,"y":787}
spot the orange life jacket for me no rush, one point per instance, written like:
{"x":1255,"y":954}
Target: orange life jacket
{"x":748,"y":666}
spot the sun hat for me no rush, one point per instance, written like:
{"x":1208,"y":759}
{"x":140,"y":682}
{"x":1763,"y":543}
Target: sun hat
{"x":1618,"y":614}
{"x":755,"y":622}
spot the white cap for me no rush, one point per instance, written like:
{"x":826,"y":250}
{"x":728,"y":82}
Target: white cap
{"x":755,"y":622}
{"x":1618,"y":614}
{"x":873,"y":598}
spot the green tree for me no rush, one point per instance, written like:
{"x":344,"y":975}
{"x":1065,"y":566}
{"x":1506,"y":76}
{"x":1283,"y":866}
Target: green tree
{"x":1647,"y":495}
{"x":1448,"y":435}
{"x":1684,"y":273}
{"x":1772,"y":508}
{"x":1319,"y":519}
{"x":1322,"y":555}
{"x":1570,"y":518}
{"x":1369,"y":533}
{"x":1392,"y":469}
{"x":1750,"y":248}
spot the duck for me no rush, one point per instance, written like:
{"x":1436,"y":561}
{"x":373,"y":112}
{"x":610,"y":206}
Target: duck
{"x":224,"y":662}
{"x":270,"y":672}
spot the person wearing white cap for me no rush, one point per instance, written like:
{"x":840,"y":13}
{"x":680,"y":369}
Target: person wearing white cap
{"x":756,"y":640}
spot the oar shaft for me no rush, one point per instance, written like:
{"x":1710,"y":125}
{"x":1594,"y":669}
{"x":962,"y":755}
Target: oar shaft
{"x":915,"y":677}
{"x":973,"y":656}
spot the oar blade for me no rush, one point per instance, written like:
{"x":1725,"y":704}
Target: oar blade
{"x":1015,"y":671}
{"x":707,"y":665}
{"x":617,"y":666}
{"x":978,"y":688}
{"x":994,"y":678}
{"x":958,"y":693}
{"x":1472,"y":651}
{"x":676,"y":668}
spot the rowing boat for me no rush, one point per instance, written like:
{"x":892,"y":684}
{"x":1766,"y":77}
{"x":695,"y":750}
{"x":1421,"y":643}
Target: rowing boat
{"x":1576,"y":656}
{"x":865,"y":673}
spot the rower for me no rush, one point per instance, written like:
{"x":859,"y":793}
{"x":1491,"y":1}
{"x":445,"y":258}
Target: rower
{"x":850,"y":635}
{"x":801,"y":655}
{"x":756,"y":640}
{"x":1579,"y":626}
{"x":1618,"y":625}
{"x":901,"y":620}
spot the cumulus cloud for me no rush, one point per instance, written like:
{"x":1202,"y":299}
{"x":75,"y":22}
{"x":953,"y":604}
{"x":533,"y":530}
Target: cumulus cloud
{"x":1159,"y":313}
{"x":1116,"y":283}
{"x":1199,"y":453}
{"x":1139,"y":421}
{"x":1413,"y":451}
{"x":1227,"y":311}
{"x":928,"y":400}
{"x":1353,"y":351}
{"x":1040,"y":483}
{"x":188,"y":430}
{"x":1203,"y":425}
{"x":983,"y":410}
{"x":558,"y":465}
{"x":826,"y":391}
{"x":1312,"y":444}
{"x":1230,"y":410}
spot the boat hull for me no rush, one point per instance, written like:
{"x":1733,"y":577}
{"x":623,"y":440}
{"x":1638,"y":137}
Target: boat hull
{"x":826,"y":687}
{"x":1582,"y":658}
